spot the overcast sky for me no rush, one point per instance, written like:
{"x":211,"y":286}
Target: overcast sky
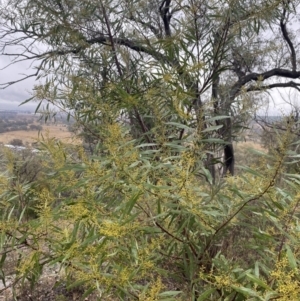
{"x":11,"y":97}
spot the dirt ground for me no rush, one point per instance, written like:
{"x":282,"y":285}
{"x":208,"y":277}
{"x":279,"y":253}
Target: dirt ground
{"x":47,"y":289}
{"x":50,"y":287}
{"x":57,"y":131}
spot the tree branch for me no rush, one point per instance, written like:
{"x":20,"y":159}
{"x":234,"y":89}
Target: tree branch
{"x":290,"y":84}
{"x":7,"y":84}
{"x":100,"y":39}
{"x":133,"y":45}
{"x":166,"y":15}
{"x":273,"y":72}
{"x":147,"y":25}
{"x":287,"y":38}
{"x":262,"y":76}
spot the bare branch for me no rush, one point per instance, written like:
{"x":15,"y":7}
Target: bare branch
{"x":111,"y":39}
{"x":7,"y":84}
{"x":287,"y":38}
{"x":285,"y":73}
{"x":132,"y":44}
{"x":166,"y":15}
{"x":101,"y":39}
{"x":268,"y":74}
{"x":290,"y":84}
{"x":147,"y":25}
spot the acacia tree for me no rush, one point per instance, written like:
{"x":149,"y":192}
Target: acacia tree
{"x":208,"y":56}
{"x":161,"y":86}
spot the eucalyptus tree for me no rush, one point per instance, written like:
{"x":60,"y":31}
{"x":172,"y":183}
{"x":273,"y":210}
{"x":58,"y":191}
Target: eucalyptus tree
{"x":152,"y":63}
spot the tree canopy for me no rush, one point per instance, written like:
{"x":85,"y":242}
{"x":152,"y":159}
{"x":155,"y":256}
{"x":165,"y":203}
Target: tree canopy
{"x":209,"y":57}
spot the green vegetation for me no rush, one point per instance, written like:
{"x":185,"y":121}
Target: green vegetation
{"x":15,"y":124}
{"x":150,"y":206}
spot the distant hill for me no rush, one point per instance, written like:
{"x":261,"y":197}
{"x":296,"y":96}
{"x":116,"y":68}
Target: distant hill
{"x":10,"y":112}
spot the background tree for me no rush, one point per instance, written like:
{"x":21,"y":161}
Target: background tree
{"x":16,"y":142}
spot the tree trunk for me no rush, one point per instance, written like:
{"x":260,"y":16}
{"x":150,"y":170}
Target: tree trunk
{"x":228,"y":160}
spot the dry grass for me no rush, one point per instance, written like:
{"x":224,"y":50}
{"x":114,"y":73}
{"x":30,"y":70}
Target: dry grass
{"x":54,"y":131}
{"x":250,"y":145}
{"x":245,"y":154}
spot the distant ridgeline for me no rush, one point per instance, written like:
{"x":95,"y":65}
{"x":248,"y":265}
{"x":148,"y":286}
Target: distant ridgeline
{"x":14,"y":112}
{"x":12,"y":122}
{"x":273,"y":119}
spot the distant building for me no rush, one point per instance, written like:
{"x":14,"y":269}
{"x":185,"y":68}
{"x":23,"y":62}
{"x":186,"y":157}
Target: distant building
{"x":20,"y":148}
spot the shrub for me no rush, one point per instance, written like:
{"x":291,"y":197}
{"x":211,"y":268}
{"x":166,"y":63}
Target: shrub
{"x":129,"y":225}
{"x":16,"y":142}
{"x":34,"y":127}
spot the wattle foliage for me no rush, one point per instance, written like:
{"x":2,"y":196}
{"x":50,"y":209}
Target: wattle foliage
{"x":142,"y":222}
{"x":159,"y":91}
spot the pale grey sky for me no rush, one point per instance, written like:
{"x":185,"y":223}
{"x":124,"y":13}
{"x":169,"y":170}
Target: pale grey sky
{"x":11,"y":97}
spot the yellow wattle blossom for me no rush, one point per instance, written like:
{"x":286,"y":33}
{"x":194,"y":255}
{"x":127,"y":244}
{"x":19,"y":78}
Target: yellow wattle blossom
{"x":111,"y":228}
{"x":79,"y":211}
{"x":28,"y":263}
{"x":123,"y":276}
{"x":152,"y":293}
{"x":223,"y":281}
{"x":286,"y":281}
{"x":8,"y":225}
{"x":44,"y":206}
